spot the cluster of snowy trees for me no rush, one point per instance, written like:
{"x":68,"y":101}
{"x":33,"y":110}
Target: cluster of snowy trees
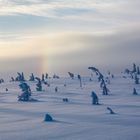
{"x":72,"y":76}
{"x":135,"y":69}
{"x":101,"y":79}
{"x":103,"y":82}
{"x":134,"y":73}
{"x":20,"y":77}
{"x":26,"y":91}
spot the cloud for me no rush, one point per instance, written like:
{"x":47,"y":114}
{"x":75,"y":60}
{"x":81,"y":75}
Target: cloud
{"x":75,"y":51}
{"x":77,"y":33}
{"x":60,"y":8}
{"x":112,"y":51}
{"x":18,"y":16}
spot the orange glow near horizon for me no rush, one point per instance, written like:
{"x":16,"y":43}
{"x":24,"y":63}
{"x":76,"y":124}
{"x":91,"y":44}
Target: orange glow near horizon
{"x":45,"y":47}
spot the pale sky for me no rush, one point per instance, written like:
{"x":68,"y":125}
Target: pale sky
{"x":58,"y":36}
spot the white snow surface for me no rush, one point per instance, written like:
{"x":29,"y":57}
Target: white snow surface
{"x":76,"y":120}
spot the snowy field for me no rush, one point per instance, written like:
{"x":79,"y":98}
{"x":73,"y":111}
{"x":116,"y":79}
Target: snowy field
{"x":77,"y":119}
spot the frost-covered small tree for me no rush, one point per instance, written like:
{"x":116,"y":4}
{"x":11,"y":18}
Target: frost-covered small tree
{"x":26,"y":92}
{"x":39,"y":84}
{"x":134,"y":68}
{"x":56,"y":89}
{"x":95,"y":100}
{"x":135,"y":92}
{"x":134,"y":73}
{"x":12,"y":79}
{"x":105,"y":90}
{"x":112,"y":75}
{"x":91,"y":77}
{"x":138,"y":70}
{"x":127,"y":71}
{"x":110,"y":110}
{"x":65,"y":100}
{"x":71,"y":75}
{"x":136,"y":79}
{"x":43,"y":78}
{"x":56,"y":76}
{"x":80,"y":80}
{"x":46,"y":83}
{"x":46,"y":76}
{"x":102,"y":83}
{"x":32,"y":78}
{"x":48,"y":118}
{"x":20,"y":77}
{"x":1,"y":81}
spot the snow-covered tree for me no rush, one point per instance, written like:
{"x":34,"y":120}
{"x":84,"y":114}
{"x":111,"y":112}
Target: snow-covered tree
{"x":80,"y":80}
{"x":101,"y":80}
{"x":65,"y":100}
{"x":138,"y":70}
{"x":105,"y":90}
{"x":26,"y":92}
{"x":127,"y":71}
{"x":95,"y":100}
{"x":1,"y":81}
{"x":56,"y":76}
{"x":12,"y":79}
{"x":56,"y":89}
{"x":48,"y":118}
{"x":71,"y":75}
{"x":32,"y":78}
{"x":46,"y":76}
{"x":110,"y":110}
{"x":134,"y":68}
{"x":20,"y":77}
{"x":39,"y":84}
{"x":135,"y":92}
{"x":112,"y":75}
{"x":136,"y":79}
{"x":43,"y":78}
